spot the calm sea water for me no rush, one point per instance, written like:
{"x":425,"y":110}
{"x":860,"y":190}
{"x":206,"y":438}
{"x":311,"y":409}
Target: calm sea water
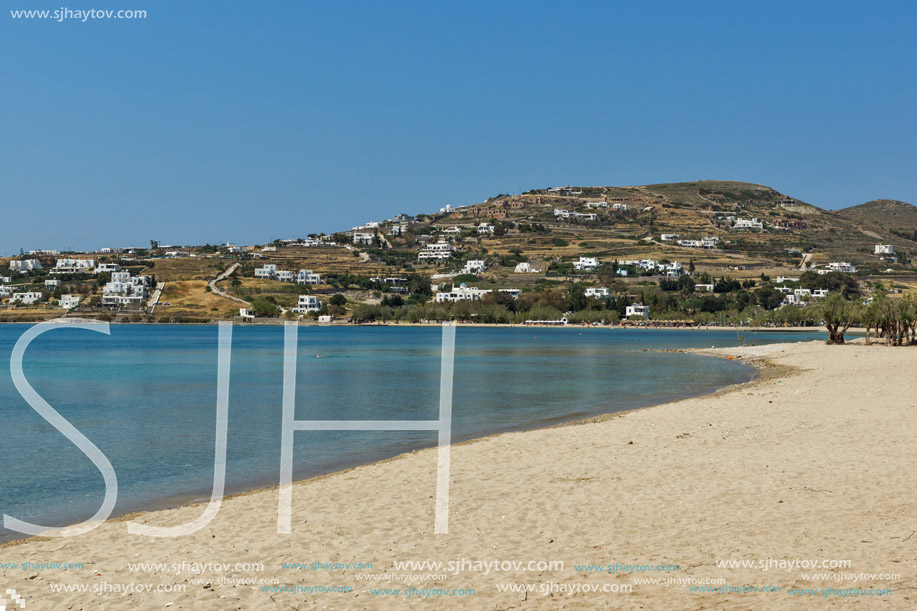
{"x":146,"y":396}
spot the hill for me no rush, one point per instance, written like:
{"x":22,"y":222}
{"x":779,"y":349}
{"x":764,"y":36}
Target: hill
{"x":885,"y":215}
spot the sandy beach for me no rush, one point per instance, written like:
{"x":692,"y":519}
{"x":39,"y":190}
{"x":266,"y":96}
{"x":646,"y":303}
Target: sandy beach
{"x":815,"y":460}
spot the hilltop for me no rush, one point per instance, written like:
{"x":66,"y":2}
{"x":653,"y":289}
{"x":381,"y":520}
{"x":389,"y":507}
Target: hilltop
{"x":891,"y":215}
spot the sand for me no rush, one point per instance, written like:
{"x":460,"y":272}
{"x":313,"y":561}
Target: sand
{"x":815,"y":460}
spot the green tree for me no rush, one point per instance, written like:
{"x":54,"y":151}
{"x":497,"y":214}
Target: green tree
{"x":263,"y":306}
{"x":838,"y":314}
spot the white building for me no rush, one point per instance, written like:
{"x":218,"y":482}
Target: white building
{"x":703,"y":288}
{"x":247,"y":313}
{"x":672,"y":270}
{"x":754,"y":223}
{"x":452,"y":231}
{"x":307,"y":276}
{"x":709,"y":243}
{"x":266,"y":271}
{"x":598,"y":291}
{"x":461,"y":293}
{"x":525,"y":268}
{"x":24,"y":265}
{"x":363,"y":238}
{"x":108,"y":267}
{"x":586,"y":264}
{"x":783,"y":279}
{"x":597,"y":205}
{"x":637,"y":309}
{"x":885,"y":249}
{"x":125,"y":290}
{"x":26,"y":298}
{"x":447,"y":209}
{"x":561,"y":214}
{"x":474,"y":266}
{"x":6,"y":279}
{"x":485,"y":229}
{"x":52,"y":284}
{"x":514,"y":293}
{"x":439,"y":251}
{"x":68,"y":302}
{"x":307,"y":303}
{"x":668,"y":237}
{"x":619,"y":207}
{"x":397,"y":230}
{"x":841,"y":266}
{"x":73,"y":266}
{"x":284,"y":275}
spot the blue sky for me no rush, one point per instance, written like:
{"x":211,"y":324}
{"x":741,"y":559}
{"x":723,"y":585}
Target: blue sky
{"x":246,"y":121}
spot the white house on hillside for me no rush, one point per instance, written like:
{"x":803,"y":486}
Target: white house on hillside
{"x":68,"y":302}
{"x":461,"y":293}
{"x":24,"y":265}
{"x":525,"y":268}
{"x":474,"y":266}
{"x":637,"y":309}
{"x":125,"y":290}
{"x":754,"y":223}
{"x":841,"y":266}
{"x":363,"y":238}
{"x":73,"y":266}
{"x":586,"y":264}
{"x":307,"y":303}
{"x":307,"y":276}
{"x":26,"y":298}
{"x":598,"y":291}
{"x":439,"y":251}
{"x":885,"y":249}
{"x":266,"y":271}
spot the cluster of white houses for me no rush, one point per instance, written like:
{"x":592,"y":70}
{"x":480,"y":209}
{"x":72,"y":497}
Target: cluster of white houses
{"x":304,"y":276}
{"x":470,"y":293}
{"x":672,"y":269}
{"x":799,"y":296}
{"x":65,"y":265}
{"x":125,"y":290}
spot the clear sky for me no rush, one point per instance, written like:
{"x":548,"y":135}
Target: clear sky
{"x":246,"y":121}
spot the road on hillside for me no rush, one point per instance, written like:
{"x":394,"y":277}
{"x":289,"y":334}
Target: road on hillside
{"x":154,"y":298}
{"x":222,"y":276}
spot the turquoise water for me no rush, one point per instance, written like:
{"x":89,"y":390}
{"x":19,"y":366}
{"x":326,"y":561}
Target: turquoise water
{"x":146,"y":396}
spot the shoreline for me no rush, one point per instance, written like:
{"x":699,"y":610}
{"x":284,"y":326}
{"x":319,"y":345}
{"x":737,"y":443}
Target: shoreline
{"x":813,"y":458}
{"x":760,"y":368}
{"x":335,"y":325}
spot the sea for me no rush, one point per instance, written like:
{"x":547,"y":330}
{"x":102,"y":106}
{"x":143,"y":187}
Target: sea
{"x":146,"y":395}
